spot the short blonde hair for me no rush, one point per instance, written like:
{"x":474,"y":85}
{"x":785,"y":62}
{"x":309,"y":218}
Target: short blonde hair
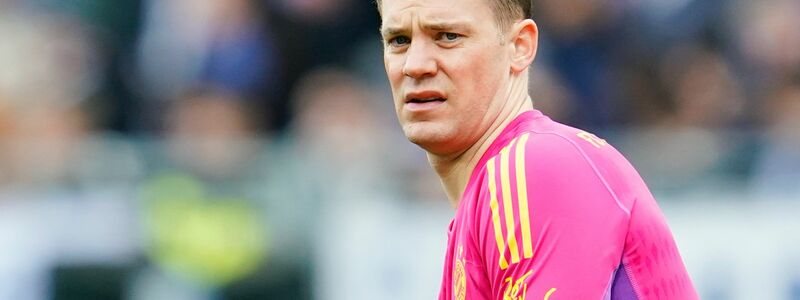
{"x":506,"y":12}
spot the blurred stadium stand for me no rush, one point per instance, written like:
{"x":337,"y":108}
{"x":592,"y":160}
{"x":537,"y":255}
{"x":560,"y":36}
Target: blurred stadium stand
{"x":237,"y":149}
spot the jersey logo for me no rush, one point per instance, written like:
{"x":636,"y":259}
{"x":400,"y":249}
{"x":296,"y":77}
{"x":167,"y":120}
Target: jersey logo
{"x":459,"y":276}
{"x":516,"y":290}
{"x":509,"y":240}
{"x":549,"y":293}
{"x":592,"y":139}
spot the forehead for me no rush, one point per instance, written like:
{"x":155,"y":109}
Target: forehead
{"x":397,"y":12}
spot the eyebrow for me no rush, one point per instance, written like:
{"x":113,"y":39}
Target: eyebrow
{"x":391,"y":31}
{"x":433,"y":26}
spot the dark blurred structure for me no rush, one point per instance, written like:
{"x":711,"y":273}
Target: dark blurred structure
{"x":248,"y":149}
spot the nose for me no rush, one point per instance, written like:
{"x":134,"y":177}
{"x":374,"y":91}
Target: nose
{"x":420,"y":61}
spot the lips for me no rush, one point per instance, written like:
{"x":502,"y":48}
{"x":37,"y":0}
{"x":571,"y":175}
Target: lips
{"x":415,"y":100}
{"x":425,"y":97}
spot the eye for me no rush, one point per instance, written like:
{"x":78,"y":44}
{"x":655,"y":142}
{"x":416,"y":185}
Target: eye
{"x":399,"y":41}
{"x":449,"y":36}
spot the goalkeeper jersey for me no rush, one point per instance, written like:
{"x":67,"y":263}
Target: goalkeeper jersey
{"x":553,"y":212}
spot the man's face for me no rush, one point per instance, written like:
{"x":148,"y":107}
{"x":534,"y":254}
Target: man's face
{"x":448,"y":67}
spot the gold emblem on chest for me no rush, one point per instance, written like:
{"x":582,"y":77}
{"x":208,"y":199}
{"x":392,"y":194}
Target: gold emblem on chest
{"x":460,"y":276}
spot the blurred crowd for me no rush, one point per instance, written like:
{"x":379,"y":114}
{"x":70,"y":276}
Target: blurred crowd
{"x":244,"y":149}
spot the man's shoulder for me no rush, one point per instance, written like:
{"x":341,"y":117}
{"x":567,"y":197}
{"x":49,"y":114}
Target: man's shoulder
{"x":561,"y":153}
{"x":548,"y":141}
{"x":556,"y":153}
{"x":541,"y":143}
{"x":544,"y":150}
{"x":558,"y":135}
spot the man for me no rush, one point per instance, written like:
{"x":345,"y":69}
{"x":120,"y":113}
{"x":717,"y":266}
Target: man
{"x":544,"y":211}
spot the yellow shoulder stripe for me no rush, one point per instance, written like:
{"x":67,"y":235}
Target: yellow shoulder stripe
{"x":522,"y":196}
{"x":505,"y":194}
{"x":498,"y":233}
{"x":511,"y":234}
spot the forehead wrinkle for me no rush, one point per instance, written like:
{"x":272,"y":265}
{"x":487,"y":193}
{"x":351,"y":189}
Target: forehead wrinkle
{"x":397,"y":23}
{"x":445,"y":25}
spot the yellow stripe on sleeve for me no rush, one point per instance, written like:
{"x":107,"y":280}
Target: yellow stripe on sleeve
{"x":507,"y":206}
{"x":498,"y":232}
{"x":522,"y":196}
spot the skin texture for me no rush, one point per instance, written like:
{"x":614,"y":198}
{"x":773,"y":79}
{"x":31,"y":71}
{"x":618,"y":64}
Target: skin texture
{"x":455,"y":50}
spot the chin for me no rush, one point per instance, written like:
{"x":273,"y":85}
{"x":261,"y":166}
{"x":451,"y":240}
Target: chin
{"x":428,"y":137}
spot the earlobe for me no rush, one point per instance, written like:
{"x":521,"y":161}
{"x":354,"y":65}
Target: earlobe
{"x":525,"y":40}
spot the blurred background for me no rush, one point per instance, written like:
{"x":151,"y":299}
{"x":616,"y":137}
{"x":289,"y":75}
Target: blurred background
{"x":243,"y":149}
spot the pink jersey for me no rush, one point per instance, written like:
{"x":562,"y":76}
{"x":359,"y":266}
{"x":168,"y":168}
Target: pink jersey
{"x":553,"y":212}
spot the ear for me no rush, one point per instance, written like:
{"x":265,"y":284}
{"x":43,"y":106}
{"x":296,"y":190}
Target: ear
{"x":524,"y":39}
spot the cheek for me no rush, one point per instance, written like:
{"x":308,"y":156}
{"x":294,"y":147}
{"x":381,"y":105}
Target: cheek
{"x":480,"y":78}
{"x":394,"y":69}
{"x":491,"y":68}
{"x":394,"y":73}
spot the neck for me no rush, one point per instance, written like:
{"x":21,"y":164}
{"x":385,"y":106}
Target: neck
{"x":454,"y":170}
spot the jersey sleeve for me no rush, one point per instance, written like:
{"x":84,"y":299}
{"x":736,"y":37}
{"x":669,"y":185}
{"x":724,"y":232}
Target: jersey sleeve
{"x":549,"y":226}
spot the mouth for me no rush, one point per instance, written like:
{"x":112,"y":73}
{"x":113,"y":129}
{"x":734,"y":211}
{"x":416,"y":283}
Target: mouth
{"x":425,"y":97}
{"x":426,"y":100}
